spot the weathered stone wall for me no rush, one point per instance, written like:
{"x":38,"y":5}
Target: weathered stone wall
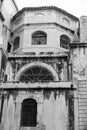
{"x":46,"y":16}
{"x":82,"y":104}
{"x":52,"y":22}
{"x":79,"y":62}
{"x":3,"y":60}
{"x":8,"y":9}
{"x":60,"y":65}
{"x":55,"y":109}
{"x":25,"y":31}
{"x":83,"y":29}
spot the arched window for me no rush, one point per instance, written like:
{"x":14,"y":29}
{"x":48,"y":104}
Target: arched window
{"x":66,"y":21}
{"x":29,"y":113}
{"x":16,"y":43}
{"x":36,"y":74}
{"x":64,"y":41}
{"x":39,"y":38}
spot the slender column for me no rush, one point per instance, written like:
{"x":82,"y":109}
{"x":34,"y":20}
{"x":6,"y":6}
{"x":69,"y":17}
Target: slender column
{"x":1,"y":36}
{"x":1,"y":42}
{"x":17,"y":116}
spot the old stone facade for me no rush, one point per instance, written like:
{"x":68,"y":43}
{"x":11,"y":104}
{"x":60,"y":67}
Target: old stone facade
{"x":43,"y":71}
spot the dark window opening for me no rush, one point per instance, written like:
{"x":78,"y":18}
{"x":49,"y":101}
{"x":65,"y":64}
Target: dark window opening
{"x":36,"y":74}
{"x":16,"y":43}
{"x":2,"y":0}
{"x":39,"y":38}
{"x":9,"y":47}
{"x":5,"y":78}
{"x":64,"y":41}
{"x":29,"y":113}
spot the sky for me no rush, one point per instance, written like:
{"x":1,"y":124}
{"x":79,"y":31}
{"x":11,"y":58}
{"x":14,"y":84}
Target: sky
{"x":76,"y":7}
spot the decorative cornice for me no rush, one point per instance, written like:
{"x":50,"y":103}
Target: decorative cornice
{"x":39,"y":85}
{"x":65,"y":54}
{"x":42,"y":24}
{"x":45,"y":8}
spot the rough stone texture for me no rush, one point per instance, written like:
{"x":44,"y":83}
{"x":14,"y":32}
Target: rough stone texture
{"x":83,"y":28}
{"x":61,"y":65}
{"x":56,"y":100}
{"x":79,"y":61}
{"x":52,"y":22}
{"x":82,"y":105}
{"x":54,"y":109}
{"x":7,"y":10}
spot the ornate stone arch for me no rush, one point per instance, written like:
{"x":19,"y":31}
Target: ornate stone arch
{"x":40,"y":64}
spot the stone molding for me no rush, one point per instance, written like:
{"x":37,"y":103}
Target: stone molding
{"x":55,"y":75}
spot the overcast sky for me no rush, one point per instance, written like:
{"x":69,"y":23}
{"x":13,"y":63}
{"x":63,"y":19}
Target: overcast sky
{"x":75,"y":7}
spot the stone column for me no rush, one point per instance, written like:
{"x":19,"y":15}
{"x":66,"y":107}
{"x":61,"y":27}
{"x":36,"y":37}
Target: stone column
{"x":1,"y":43}
{"x":39,"y":112}
{"x":1,"y":36}
{"x":0,"y":61}
{"x":4,"y":115}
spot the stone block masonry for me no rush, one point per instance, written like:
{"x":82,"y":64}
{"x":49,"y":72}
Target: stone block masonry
{"x":82,"y":104}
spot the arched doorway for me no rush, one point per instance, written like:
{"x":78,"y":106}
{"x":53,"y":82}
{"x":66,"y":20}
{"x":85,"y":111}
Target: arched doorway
{"x":29,"y":113}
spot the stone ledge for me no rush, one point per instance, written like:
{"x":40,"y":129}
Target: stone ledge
{"x":53,"y":85}
{"x":78,"y":44}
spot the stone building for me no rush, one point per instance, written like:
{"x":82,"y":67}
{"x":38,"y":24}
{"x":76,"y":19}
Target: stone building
{"x":43,"y":72}
{"x":8,"y":9}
